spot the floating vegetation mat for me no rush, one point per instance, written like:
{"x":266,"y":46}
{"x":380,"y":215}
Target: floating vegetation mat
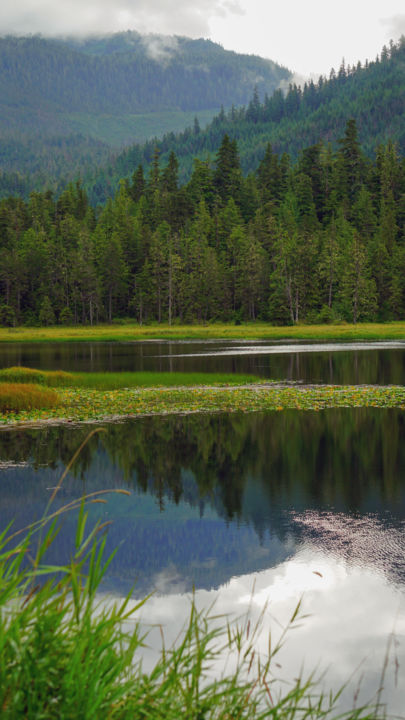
{"x":85,"y":404}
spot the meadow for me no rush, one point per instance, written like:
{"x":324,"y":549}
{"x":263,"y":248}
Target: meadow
{"x":129,"y":332}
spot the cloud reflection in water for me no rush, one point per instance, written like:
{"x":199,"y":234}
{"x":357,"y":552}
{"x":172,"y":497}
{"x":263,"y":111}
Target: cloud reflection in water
{"x":350,"y":609}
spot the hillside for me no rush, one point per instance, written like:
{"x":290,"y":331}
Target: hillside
{"x":374,"y":95}
{"x":80,"y":100}
{"x":54,"y":80}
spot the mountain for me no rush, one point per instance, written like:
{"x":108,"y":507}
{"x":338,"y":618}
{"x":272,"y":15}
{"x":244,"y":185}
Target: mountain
{"x":373,"y":94}
{"x":66,"y":104}
{"x":54,"y":79}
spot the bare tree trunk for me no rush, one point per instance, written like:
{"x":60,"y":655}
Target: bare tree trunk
{"x":289,"y":297}
{"x":330,"y":289}
{"x":355,"y":304}
{"x":170,"y":288}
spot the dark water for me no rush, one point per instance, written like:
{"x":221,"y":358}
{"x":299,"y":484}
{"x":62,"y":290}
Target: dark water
{"x":370,"y":363}
{"x":246,"y":509}
{"x":242,"y":491}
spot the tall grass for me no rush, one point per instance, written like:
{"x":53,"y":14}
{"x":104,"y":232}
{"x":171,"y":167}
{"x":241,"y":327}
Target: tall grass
{"x":15,"y":397}
{"x":65,"y":654}
{"x":118,"y":380}
{"x":20,"y":374}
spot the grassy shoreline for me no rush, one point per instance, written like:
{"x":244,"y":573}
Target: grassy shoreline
{"x":248,"y":331}
{"x":79,"y":405}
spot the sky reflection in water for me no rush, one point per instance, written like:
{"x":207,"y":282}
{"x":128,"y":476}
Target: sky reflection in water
{"x":278,"y":504}
{"x":350,"y":613}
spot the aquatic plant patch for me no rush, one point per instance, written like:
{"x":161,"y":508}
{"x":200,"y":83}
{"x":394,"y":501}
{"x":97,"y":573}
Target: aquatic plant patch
{"x":86,"y":404}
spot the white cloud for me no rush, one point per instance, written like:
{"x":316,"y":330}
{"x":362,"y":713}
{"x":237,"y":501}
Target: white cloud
{"x":160,"y":47}
{"x":308,"y":37}
{"x":94,"y":16}
{"x":395,"y":26}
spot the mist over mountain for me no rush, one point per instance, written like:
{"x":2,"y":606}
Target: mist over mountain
{"x":124,"y":73}
{"x":67,"y":104}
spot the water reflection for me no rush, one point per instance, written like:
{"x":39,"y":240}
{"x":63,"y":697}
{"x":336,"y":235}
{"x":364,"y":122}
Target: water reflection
{"x":287,"y":503}
{"x":365,"y":541}
{"x":350,"y":615}
{"x":339,"y":363}
{"x":225,"y":494}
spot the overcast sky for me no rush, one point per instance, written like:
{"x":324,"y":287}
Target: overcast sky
{"x":308,"y":36}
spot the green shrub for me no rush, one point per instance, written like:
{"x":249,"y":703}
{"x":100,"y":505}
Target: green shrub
{"x":66,"y":317}
{"x":7,"y":316}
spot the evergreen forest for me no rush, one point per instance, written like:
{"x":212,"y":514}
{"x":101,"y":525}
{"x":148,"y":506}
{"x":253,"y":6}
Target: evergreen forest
{"x":320,"y":239}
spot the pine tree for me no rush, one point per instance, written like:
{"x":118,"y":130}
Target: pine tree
{"x":351,"y":163}
{"x":46,"y":313}
{"x":227,"y":177}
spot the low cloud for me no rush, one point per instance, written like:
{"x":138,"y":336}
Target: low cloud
{"x":395,"y":26}
{"x":83,"y":17}
{"x":160,"y":47}
{"x":296,"y":79}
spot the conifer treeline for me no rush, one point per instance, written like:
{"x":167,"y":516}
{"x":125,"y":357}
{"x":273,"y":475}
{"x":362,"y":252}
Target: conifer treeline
{"x":320,"y":240}
{"x":373,"y":94}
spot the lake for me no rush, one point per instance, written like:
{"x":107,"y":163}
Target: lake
{"x":345,"y":363}
{"x":247,"y":509}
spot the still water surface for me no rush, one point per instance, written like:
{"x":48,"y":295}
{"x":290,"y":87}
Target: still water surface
{"x":247,"y":509}
{"x":244,"y":508}
{"x":344,"y":363}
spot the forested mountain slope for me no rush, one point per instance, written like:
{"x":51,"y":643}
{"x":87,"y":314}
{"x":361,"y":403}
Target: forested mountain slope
{"x":77,"y":100}
{"x":373,"y":94}
{"x":49,"y":76}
